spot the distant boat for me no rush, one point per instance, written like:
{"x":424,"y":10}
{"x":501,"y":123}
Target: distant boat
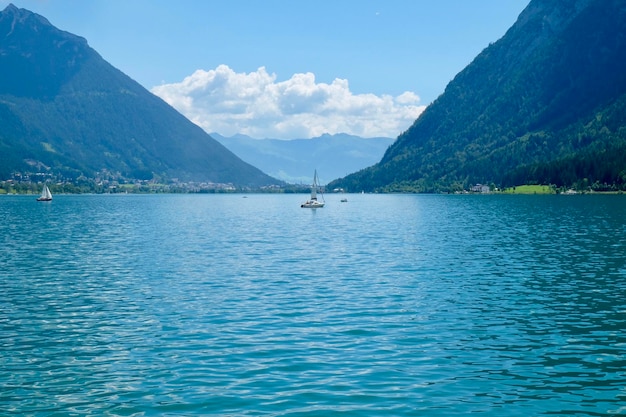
{"x":344,"y":200}
{"x":313,"y":202}
{"x":46,"y":195}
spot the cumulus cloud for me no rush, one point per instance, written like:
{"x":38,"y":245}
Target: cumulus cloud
{"x":257,"y":105}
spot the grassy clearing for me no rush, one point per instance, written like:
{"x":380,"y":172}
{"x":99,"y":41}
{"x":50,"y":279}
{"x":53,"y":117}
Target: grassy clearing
{"x":530,"y":189}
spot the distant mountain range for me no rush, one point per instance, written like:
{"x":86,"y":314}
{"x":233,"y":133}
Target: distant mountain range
{"x":295,"y":160}
{"x":65,"y":113}
{"x":544,"y":104}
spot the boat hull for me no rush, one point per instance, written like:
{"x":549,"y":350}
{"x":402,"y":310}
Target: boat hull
{"x":44,"y":199}
{"x":312,"y":204}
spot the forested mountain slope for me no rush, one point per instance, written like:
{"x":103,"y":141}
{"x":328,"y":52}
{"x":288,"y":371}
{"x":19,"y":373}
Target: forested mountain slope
{"x":544,"y":104}
{"x":65,"y":113}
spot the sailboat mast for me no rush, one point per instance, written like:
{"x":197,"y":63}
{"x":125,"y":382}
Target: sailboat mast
{"x":314,"y":187}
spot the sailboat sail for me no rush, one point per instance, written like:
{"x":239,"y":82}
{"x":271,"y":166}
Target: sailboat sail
{"x":46,"y":195}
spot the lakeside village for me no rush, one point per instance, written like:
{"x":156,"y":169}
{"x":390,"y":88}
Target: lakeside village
{"x":113,"y":183}
{"x":110,"y":183}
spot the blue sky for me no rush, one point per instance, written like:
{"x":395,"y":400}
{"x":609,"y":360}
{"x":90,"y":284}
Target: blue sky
{"x":289,"y":68}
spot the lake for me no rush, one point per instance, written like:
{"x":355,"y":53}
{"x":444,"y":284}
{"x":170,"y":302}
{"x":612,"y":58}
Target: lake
{"x":233,"y":305}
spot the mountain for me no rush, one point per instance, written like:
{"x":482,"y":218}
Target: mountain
{"x":544,"y":104}
{"x":295,"y":160}
{"x":65,"y":112}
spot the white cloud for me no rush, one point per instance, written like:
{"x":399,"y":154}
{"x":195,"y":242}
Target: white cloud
{"x":257,"y":105}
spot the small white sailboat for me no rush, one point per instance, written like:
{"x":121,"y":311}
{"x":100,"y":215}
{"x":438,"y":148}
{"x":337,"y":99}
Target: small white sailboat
{"x":313,"y":202}
{"x":46,"y":195}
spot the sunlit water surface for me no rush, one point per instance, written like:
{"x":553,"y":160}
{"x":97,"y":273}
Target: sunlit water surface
{"x":231,"y":305}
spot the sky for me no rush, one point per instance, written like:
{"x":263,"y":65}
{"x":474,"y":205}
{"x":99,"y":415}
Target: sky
{"x":288,"y":69}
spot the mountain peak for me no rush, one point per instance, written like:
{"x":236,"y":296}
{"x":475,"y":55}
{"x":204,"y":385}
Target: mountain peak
{"x":10,"y":9}
{"x":36,"y":57}
{"x":16,"y":16}
{"x":16,"y":22}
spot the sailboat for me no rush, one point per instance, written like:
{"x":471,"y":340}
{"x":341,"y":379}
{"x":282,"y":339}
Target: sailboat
{"x":46,"y":195}
{"x":313,"y":202}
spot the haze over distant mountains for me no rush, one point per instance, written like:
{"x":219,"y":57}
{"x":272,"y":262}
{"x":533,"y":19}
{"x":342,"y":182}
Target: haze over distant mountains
{"x":295,"y":160}
{"x":66,"y":113}
{"x":544,"y":104}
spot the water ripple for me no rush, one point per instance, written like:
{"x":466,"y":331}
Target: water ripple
{"x":394,"y":305}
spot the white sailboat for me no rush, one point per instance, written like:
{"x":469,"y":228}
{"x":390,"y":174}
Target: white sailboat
{"x":46,"y":195}
{"x":313,"y":202}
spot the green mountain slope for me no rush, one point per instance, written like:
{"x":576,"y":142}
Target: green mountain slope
{"x":544,"y":104}
{"x":65,"y":111}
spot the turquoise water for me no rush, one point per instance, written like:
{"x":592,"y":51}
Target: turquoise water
{"x":400,"y":305}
